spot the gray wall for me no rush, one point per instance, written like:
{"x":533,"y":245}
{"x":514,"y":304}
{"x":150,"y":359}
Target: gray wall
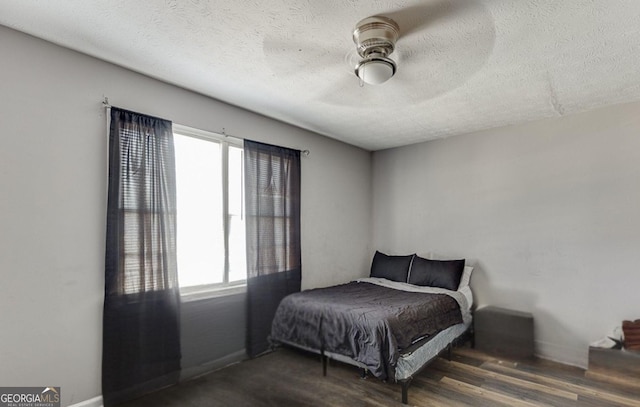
{"x":52,"y":212}
{"x":548,"y":212}
{"x":212,"y":333}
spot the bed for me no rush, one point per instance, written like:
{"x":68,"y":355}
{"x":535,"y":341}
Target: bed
{"x":391,"y":324}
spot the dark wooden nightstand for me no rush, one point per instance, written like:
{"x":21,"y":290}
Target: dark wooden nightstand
{"x":504,"y":332}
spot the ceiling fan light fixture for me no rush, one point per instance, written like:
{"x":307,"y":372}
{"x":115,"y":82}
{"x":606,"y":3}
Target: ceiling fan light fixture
{"x":375,"y":38}
{"x":375,"y":70}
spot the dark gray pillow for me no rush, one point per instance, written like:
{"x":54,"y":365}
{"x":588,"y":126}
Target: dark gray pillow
{"x":436,"y":273}
{"x":394,"y":268}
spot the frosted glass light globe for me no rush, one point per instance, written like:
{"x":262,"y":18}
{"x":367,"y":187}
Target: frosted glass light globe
{"x":375,"y":71}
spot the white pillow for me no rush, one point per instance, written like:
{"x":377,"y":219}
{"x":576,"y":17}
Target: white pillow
{"x":466,"y":277}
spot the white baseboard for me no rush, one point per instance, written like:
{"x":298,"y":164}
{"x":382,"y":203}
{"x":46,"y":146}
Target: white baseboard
{"x":94,"y":402}
{"x":578,"y":357}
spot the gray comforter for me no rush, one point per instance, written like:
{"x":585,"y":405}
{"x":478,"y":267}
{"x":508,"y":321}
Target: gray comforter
{"x":369,"y":323}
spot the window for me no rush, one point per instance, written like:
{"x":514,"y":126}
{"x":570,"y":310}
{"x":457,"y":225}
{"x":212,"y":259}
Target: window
{"x":211,"y":247}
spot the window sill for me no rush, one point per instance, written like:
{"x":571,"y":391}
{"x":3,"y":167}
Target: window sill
{"x":206,"y":292}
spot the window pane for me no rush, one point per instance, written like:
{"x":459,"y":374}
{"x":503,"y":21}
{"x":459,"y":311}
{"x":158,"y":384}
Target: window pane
{"x":200,"y":232}
{"x":237,"y":244}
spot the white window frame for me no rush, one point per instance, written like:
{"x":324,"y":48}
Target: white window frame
{"x":225,"y":288}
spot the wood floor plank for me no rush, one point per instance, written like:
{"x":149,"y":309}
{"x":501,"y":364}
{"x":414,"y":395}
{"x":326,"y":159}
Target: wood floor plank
{"x":629,"y":383}
{"x":579,"y":389}
{"x":531,"y":396}
{"x":576,"y":375}
{"x":483,"y":357}
{"x":450,"y":394}
{"x":520,"y":383}
{"x":484,"y":394}
{"x":429,"y":394}
{"x":446,"y":370}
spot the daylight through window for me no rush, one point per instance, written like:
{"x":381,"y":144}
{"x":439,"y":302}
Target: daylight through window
{"x":210,"y":222}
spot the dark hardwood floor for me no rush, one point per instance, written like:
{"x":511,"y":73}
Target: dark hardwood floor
{"x":292,"y":378}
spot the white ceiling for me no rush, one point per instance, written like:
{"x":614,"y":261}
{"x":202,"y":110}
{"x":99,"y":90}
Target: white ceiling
{"x":463,"y":65}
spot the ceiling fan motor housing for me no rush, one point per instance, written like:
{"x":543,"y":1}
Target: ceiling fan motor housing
{"x":377,"y":34}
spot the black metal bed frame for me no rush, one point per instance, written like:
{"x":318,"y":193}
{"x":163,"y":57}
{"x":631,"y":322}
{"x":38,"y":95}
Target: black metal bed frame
{"x":468,"y":334}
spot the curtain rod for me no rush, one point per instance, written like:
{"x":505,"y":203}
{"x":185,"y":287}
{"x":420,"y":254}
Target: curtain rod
{"x":107,"y":105}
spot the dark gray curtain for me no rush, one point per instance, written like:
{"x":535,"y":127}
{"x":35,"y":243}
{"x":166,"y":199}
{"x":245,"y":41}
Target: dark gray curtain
{"x":272,"y":201}
{"x":141,"y":341}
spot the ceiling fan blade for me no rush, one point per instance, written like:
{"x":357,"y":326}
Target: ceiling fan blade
{"x":452,"y":47}
{"x":416,"y":18}
{"x":288,"y":58}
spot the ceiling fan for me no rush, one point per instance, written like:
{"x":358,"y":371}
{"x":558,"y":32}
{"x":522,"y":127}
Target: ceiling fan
{"x":375,"y":38}
{"x":427,"y":47}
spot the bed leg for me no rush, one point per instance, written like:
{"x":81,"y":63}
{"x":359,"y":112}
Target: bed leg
{"x":363,"y":373}
{"x":449,"y":352}
{"x":473,"y":339}
{"x":405,"y":391}
{"x":324,"y":362}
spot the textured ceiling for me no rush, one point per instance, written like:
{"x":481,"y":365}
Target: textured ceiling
{"x":463,"y":65}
